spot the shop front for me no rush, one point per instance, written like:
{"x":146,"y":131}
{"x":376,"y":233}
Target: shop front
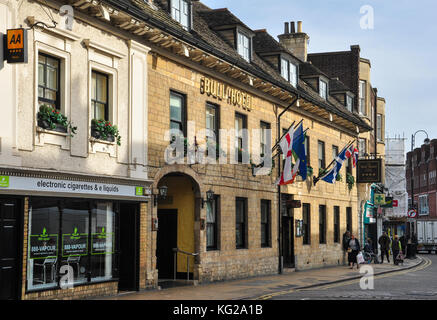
{"x":79,"y":237}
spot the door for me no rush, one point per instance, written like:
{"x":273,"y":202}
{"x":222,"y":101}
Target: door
{"x":167,"y":239}
{"x":9,"y":249}
{"x":288,"y":241}
{"x":129,"y":247}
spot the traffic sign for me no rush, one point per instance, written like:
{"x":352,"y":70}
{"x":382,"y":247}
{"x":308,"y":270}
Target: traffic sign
{"x":412,"y":213}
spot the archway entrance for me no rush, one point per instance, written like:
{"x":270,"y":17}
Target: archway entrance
{"x":176,"y":217}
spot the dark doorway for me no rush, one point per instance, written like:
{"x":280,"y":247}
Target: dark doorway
{"x":129,"y":247}
{"x":167,"y":239}
{"x":372,"y":233}
{"x":10,"y":270}
{"x":288,"y":241}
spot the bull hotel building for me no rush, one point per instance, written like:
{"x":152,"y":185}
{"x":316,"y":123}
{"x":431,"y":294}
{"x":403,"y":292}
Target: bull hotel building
{"x":95,"y":193}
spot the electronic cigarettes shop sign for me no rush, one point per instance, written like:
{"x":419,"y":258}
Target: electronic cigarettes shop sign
{"x":14,"y":183}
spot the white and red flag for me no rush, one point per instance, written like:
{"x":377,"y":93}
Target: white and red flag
{"x":286,"y":145}
{"x":352,"y":152}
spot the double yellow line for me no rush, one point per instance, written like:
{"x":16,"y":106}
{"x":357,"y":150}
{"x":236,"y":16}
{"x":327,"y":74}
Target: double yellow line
{"x":427,"y":262}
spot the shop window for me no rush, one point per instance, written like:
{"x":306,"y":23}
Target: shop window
{"x":99,"y":96}
{"x":240,"y":223}
{"x":49,"y":81}
{"x":322,"y":224}
{"x":306,"y":217}
{"x":73,"y":235}
{"x":265,"y":223}
{"x":336,"y":224}
{"x":212,"y":224}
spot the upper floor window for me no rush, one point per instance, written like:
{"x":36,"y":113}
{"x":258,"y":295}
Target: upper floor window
{"x":349,"y":102}
{"x":99,"y":96}
{"x":240,"y":138}
{"x":265,"y":136}
{"x":180,"y":11}
{"x":177,"y":112}
{"x":289,"y":71}
{"x":361,"y":147}
{"x":362,"y":97}
{"x":212,"y":122}
{"x":323,"y":89}
{"x":321,"y":149}
{"x":293,"y":74}
{"x":379,"y":127}
{"x":284,"y":69}
{"x":243,"y":46}
{"x":48,"y":80}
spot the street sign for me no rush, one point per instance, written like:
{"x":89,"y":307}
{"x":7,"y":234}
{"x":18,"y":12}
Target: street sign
{"x":16,"y":45}
{"x":395,"y":203}
{"x":412,"y":213}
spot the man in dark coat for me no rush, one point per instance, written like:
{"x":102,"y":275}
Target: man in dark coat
{"x":346,"y":238}
{"x":403,"y":241}
{"x":396,"y":248}
{"x":384,"y":242}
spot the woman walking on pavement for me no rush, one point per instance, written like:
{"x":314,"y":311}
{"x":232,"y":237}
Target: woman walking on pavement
{"x":353,"y":250}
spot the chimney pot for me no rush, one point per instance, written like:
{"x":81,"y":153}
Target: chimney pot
{"x":286,"y":29}
{"x":292,"y":27}
{"x":299,"y":26}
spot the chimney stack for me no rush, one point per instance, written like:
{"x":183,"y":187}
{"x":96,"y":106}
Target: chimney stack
{"x":296,"y":42}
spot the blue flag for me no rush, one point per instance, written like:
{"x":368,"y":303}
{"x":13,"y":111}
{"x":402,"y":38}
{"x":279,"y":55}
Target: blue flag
{"x":299,"y":153}
{"x":331,"y":175}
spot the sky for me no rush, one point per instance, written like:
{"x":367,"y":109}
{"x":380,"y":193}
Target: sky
{"x":401,"y":46}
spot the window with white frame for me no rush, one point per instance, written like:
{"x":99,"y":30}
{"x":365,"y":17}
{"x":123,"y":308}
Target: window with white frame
{"x":361,"y":147}
{"x":379,"y":127}
{"x":49,"y":80}
{"x":423,"y":205}
{"x":362,"y":97}
{"x":293,"y":74}
{"x":289,"y":71}
{"x":243,"y":46}
{"x":284,"y":69}
{"x":323,"y":89}
{"x":180,"y":11}
{"x":349,"y":101}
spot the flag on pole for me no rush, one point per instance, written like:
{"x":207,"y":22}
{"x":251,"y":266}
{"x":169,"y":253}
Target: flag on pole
{"x":330,"y":176}
{"x":352,"y":152}
{"x":286,"y":145}
{"x":299,"y":153}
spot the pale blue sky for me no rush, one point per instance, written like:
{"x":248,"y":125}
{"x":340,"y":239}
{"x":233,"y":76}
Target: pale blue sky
{"x":401,"y":47}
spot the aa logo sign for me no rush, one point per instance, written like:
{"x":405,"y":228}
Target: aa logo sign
{"x":16,"y":46}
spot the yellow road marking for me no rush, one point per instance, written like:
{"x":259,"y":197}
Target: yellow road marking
{"x":426,"y":264}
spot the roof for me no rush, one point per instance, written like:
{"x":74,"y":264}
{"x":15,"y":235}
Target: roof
{"x":205,"y":38}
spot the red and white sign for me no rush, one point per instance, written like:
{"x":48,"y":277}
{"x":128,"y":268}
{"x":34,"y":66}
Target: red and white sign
{"x":395,"y":203}
{"x":412,"y":213}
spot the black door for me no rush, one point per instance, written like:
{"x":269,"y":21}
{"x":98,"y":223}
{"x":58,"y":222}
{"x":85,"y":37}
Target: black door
{"x":129,"y":245}
{"x":9,"y":248}
{"x":288,"y":241}
{"x":167,"y":239}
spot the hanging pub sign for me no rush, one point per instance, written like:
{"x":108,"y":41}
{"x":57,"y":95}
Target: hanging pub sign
{"x":369,"y":171}
{"x":15,"y":46}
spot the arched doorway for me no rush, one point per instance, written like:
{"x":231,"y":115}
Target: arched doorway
{"x":177,"y":214}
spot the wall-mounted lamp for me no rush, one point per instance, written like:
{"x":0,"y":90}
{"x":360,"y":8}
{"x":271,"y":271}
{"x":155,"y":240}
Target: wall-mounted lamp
{"x":162,"y":194}
{"x":209,"y":197}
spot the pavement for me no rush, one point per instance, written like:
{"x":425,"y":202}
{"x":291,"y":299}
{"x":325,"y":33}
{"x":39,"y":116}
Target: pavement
{"x":264,"y":287}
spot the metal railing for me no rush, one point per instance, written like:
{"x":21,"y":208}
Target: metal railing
{"x":188,"y":254}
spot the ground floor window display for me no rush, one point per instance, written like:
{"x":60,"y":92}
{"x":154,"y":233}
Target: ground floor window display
{"x":76,"y":233}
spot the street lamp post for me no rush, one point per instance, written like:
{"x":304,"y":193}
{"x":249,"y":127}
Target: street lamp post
{"x":426,"y":141}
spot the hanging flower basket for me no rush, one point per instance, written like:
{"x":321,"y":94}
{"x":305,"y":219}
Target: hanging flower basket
{"x":49,"y":118}
{"x":104,"y":130}
{"x":350,"y":180}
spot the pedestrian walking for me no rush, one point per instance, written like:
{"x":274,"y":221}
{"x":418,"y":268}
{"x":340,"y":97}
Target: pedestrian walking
{"x":403,"y":241}
{"x":384,"y":242}
{"x":353,"y":250}
{"x":346,"y":238}
{"x":396,"y":249}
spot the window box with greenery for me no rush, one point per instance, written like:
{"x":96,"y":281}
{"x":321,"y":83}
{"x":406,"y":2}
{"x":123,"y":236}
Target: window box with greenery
{"x":50,"y":118}
{"x":350,"y":180}
{"x":104,"y":130}
{"x":310,"y":171}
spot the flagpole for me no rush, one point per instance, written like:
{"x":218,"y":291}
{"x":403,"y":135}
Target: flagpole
{"x":278,"y":132}
{"x":326,"y":169}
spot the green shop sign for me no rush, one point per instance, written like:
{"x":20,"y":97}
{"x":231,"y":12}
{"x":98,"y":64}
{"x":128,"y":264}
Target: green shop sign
{"x":74,"y":244}
{"x":43,"y":245}
{"x":4,"y":181}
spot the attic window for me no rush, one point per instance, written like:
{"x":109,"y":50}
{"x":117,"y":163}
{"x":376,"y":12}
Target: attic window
{"x":289,"y":71}
{"x":243,"y":45}
{"x":323,"y":89}
{"x":349,"y":101}
{"x":181,"y":12}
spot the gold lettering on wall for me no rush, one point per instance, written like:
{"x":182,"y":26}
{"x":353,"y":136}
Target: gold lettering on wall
{"x":223,"y":92}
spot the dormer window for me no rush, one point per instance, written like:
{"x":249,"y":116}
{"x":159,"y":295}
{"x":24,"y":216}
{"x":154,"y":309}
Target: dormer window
{"x":349,"y":102}
{"x":323,"y":89}
{"x":180,"y":11}
{"x":289,"y":71}
{"x":243,"y":45}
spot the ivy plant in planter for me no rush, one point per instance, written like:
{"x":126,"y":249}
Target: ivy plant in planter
{"x":350,"y":180}
{"x":104,"y":130}
{"x":50,"y":118}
